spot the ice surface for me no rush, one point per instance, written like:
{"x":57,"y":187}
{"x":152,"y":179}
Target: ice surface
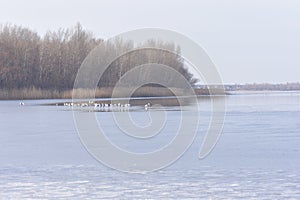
{"x":257,"y":157}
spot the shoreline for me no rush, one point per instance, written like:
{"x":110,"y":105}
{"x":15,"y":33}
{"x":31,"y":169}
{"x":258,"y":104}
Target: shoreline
{"x":105,"y":93}
{"x":35,"y":93}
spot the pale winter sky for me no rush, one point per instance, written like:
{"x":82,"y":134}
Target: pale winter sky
{"x":248,"y":40}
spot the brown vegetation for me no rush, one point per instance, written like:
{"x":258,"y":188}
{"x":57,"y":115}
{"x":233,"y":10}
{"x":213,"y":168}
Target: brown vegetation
{"x":50,"y":62}
{"x":34,"y":93}
{"x":34,"y":66}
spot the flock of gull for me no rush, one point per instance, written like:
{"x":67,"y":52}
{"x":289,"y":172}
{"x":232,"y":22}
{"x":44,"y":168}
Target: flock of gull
{"x":101,"y":106}
{"x":105,"y":106}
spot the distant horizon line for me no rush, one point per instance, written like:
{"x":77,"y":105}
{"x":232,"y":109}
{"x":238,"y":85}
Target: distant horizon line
{"x":257,"y":83}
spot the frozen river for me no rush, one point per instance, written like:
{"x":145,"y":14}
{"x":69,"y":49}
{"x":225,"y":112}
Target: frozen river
{"x":257,"y":156}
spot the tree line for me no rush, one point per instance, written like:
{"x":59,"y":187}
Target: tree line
{"x":51,"y":61}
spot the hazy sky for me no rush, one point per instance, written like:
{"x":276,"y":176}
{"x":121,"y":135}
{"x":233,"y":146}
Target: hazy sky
{"x":248,"y":40}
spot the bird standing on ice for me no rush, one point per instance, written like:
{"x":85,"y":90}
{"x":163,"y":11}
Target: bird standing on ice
{"x":147,"y":106}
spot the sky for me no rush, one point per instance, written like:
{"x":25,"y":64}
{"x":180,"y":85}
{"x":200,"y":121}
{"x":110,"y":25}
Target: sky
{"x":248,"y":40}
